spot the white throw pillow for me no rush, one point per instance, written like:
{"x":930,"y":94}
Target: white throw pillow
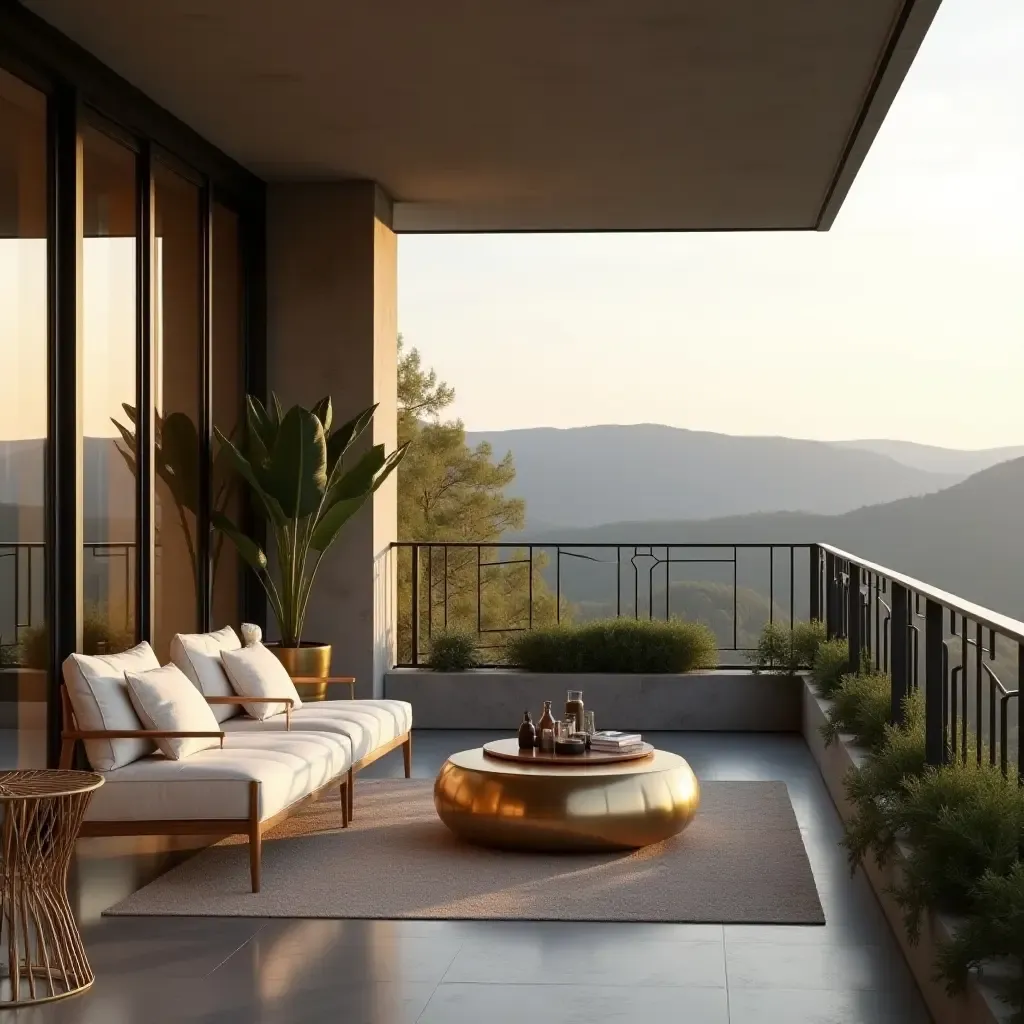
{"x":255,"y":672}
{"x":99,"y":696}
{"x":198,"y":656}
{"x":165,"y":698}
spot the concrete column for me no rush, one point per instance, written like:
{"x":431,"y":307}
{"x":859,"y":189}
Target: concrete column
{"x":332,"y":329}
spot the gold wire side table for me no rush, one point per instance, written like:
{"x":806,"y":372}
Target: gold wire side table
{"x":42,"y":813}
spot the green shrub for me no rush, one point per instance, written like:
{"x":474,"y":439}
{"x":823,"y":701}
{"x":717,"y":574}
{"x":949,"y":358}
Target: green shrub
{"x":831,"y":662}
{"x":616,"y":645}
{"x":960,"y":821}
{"x":862,"y":705}
{"x":994,"y":928}
{"x":784,"y":651}
{"x":453,"y":650}
{"x":877,"y":783}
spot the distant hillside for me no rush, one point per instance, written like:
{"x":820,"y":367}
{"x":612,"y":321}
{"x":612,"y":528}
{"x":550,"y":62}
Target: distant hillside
{"x":966,"y":539}
{"x":591,"y":475}
{"x":937,"y":460}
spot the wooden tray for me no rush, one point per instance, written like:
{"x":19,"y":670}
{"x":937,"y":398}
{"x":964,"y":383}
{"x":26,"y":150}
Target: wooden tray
{"x":508,"y":750}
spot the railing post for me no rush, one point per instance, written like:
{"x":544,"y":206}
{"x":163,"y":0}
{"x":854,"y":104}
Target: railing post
{"x":934,"y":736}
{"x":899,"y":664}
{"x":815,"y":581}
{"x":415,"y":625}
{"x":854,"y":623}
{"x":1020,"y":713}
{"x":831,"y":597}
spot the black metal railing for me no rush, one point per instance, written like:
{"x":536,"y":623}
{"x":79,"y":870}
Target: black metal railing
{"x":109,"y":571}
{"x":968,"y":661}
{"x":496,"y":590}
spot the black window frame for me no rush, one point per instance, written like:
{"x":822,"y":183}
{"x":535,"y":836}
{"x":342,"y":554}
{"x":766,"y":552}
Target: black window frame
{"x":81,"y":90}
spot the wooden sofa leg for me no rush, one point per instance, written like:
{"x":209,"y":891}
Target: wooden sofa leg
{"x":407,"y":755}
{"x":255,"y":837}
{"x":350,"y":788}
{"x":344,"y":802}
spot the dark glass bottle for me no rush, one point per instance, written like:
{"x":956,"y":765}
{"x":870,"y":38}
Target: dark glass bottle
{"x":574,"y":708}
{"x":546,"y":722}
{"x":527,"y":733}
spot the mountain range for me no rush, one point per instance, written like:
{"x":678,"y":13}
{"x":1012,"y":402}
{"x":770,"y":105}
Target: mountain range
{"x":587,"y":476}
{"x":965,"y":539}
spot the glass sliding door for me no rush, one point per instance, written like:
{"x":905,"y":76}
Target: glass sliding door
{"x":24,"y":648}
{"x":228,"y":413}
{"x":177,"y":366}
{"x":108,"y":319}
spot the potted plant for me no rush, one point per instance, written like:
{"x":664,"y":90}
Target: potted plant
{"x":295,"y":467}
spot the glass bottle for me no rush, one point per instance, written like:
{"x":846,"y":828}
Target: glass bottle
{"x":527,"y":733}
{"x":546,"y":722}
{"x":574,"y":708}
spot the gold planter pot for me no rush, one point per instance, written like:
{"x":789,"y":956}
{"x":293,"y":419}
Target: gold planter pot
{"x":311,"y":659}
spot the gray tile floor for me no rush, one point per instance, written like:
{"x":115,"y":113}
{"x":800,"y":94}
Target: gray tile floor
{"x":232,"y":971}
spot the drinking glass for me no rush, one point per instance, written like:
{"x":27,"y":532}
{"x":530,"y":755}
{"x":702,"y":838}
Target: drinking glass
{"x":588,"y":723}
{"x":547,"y":741}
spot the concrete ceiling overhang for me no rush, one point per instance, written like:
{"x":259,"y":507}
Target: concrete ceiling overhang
{"x":546,"y":115}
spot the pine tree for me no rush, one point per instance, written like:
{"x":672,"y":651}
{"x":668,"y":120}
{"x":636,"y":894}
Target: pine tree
{"x":448,"y":491}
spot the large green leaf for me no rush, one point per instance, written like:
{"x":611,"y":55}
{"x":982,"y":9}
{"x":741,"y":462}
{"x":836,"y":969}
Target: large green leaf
{"x":330,"y":523}
{"x":359,"y":479}
{"x":357,"y":489}
{"x":247,"y":547}
{"x":262,"y":429}
{"x":267,"y":503}
{"x":296,"y":470}
{"x":338,"y":443}
{"x":324,"y":412}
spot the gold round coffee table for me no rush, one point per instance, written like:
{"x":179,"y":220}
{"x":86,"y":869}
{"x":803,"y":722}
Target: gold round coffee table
{"x":42,"y":813}
{"x":566,"y":806}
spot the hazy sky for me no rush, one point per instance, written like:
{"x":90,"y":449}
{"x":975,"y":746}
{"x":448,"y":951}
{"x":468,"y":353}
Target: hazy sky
{"x":905,"y":321}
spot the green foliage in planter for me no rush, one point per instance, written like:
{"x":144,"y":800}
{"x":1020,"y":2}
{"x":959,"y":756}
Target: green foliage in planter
{"x":877,"y":783}
{"x":300,"y":480}
{"x":616,"y":645}
{"x":453,"y":650}
{"x":994,"y":928}
{"x":784,"y":651}
{"x":960,"y":821}
{"x":862,"y":706}
{"x":831,"y":662}
{"x":99,"y":636}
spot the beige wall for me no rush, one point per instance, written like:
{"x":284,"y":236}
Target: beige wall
{"x":331,"y":329}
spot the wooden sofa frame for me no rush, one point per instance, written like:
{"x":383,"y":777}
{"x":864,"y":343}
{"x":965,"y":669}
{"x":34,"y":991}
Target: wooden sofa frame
{"x":249,"y":826}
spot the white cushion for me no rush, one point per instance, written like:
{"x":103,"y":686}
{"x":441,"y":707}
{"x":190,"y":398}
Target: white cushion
{"x":368,"y":724}
{"x":255,"y":672}
{"x":165,"y":699}
{"x":198,"y":656}
{"x":215,"y":783}
{"x":99,"y":696}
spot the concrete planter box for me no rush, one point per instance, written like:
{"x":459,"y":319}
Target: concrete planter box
{"x":724,"y":701}
{"x":978,"y":1005}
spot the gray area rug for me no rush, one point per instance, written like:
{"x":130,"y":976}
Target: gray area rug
{"x":741,"y":861}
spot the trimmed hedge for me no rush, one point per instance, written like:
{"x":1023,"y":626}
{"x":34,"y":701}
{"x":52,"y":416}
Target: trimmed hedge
{"x":616,"y":645}
{"x":453,"y":650}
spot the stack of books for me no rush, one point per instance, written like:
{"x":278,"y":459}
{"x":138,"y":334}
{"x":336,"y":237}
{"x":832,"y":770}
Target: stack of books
{"x":616,"y":742}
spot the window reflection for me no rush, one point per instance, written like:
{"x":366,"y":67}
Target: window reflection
{"x":228,"y":402}
{"x":177,"y":354}
{"x":108,"y":392}
{"x":23,"y":330}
